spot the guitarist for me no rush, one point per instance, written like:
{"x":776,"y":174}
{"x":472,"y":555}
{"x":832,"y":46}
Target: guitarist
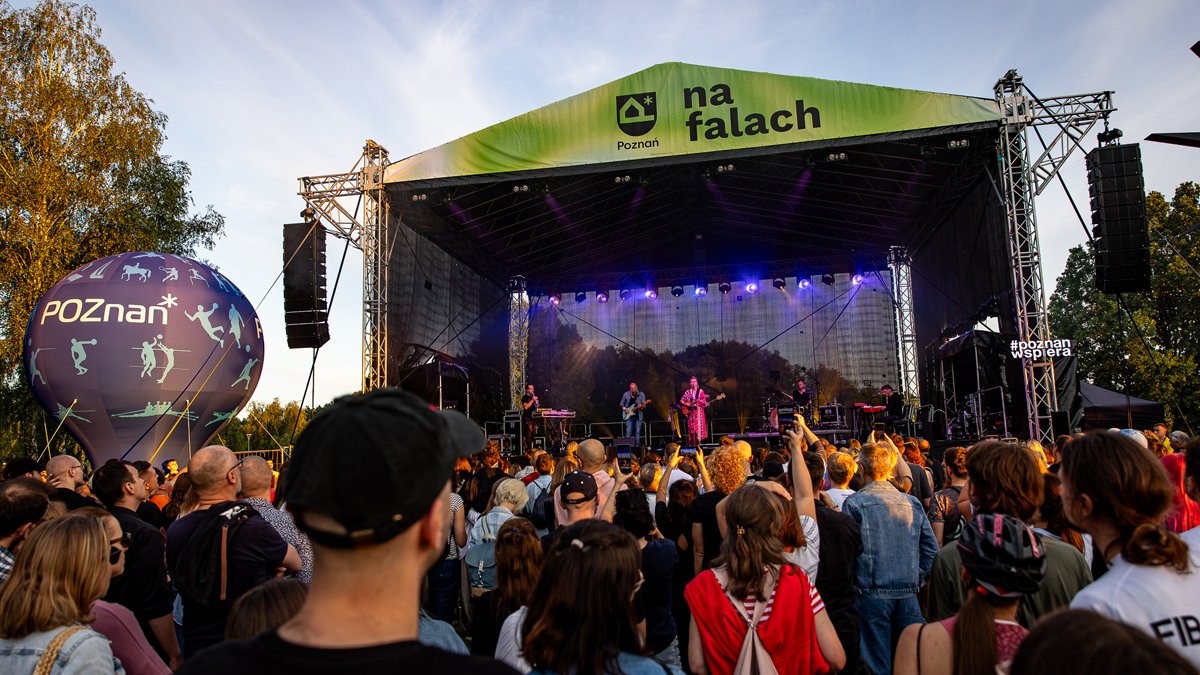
{"x":693,"y":403}
{"x":632,"y":403}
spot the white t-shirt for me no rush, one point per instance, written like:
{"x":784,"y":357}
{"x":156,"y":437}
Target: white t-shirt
{"x":676,"y":476}
{"x":651,"y":500}
{"x":508,"y":646}
{"x":1156,"y":600}
{"x":809,"y":557}
{"x":838,"y":495}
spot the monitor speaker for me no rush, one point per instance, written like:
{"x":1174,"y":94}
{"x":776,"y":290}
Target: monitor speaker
{"x":305,"y":308}
{"x":1120,"y":233}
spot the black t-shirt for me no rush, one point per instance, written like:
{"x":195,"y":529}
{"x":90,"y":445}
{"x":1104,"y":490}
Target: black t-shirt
{"x":895,"y":405}
{"x":72,"y":499}
{"x":841,"y":544}
{"x":704,"y":511}
{"x":268,"y":654}
{"x":152,"y":515}
{"x":921,"y":489}
{"x":527,"y":413}
{"x":485,"y":624}
{"x":143,"y":588}
{"x":654,"y":601}
{"x":800,"y":398}
{"x":254,"y":551}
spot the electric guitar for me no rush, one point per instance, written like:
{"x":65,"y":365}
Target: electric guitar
{"x":626,"y":413}
{"x":687,"y":408}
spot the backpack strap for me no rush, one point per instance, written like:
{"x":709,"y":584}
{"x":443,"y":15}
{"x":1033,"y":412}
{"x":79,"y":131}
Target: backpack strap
{"x":919,"y":632}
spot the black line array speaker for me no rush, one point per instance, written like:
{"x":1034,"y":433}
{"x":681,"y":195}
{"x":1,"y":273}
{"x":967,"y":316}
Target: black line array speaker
{"x":305,"y":307}
{"x":1122,"y":240}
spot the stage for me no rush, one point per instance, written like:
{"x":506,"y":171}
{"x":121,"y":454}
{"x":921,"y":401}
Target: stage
{"x":747,"y":228}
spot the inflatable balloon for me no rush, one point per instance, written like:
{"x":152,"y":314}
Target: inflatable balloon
{"x":143,"y":355}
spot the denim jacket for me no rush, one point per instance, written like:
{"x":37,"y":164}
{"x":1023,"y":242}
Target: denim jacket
{"x":85,"y":652}
{"x":898,"y":543}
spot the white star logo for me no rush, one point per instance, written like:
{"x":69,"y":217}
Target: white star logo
{"x":169,"y":300}
{"x":649,"y":100}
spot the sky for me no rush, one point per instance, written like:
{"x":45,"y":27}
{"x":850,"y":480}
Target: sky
{"x":260,"y":93}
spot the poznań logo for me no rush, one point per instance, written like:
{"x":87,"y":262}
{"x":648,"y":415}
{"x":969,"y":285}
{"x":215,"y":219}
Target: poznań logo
{"x":637,"y":113}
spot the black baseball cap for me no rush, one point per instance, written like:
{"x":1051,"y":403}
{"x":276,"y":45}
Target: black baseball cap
{"x":375,"y":463}
{"x":577,"y":482}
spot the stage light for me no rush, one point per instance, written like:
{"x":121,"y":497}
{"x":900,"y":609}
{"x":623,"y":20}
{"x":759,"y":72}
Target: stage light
{"x":778,"y":283}
{"x":677,"y":291}
{"x":618,"y":180}
{"x":958,"y":143}
{"x":580,"y":297}
{"x":521,"y":188}
{"x":724,"y":287}
{"x":602,"y":297}
{"x":857,"y":279}
{"x":555,"y":298}
{"x":837,"y":157}
{"x":827,"y":279}
{"x":651,"y":294}
{"x":701,"y":290}
{"x":725,"y":168}
{"x":804,"y":283}
{"x":420,"y":197}
{"x":752,"y":287}
{"x":625,"y":294}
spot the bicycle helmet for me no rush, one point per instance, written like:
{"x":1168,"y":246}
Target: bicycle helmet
{"x":1003,"y":555}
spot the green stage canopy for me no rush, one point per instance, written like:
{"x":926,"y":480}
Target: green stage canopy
{"x":678,"y":109}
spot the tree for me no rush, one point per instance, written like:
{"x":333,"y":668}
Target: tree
{"x":265,"y":426}
{"x":82,"y":176}
{"x":1144,"y":343}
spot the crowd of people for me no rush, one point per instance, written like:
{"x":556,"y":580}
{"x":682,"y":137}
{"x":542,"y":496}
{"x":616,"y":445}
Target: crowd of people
{"x":398,"y":537}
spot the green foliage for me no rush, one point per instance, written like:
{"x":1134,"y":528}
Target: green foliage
{"x":82,"y":176}
{"x":1151,"y":346}
{"x":265,"y":426}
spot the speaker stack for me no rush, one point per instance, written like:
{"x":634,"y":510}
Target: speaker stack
{"x":305,"y":307}
{"x":1118,"y":197}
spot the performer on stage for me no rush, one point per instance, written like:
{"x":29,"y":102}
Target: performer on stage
{"x":694,"y":402}
{"x":632,"y":403}
{"x":802,"y":397}
{"x":895,"y":406}
{"x":529,"y":403}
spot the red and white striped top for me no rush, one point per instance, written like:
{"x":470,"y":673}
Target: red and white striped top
{"x":818,"y":605}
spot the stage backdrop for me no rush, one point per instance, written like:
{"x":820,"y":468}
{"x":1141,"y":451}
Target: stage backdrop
{"x":840,"y":339}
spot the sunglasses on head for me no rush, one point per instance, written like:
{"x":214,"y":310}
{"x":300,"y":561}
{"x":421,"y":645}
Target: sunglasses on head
{"x":114,"y":552}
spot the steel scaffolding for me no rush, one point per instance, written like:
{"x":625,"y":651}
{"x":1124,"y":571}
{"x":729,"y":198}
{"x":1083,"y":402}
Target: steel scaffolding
{"x":518,"y":339}
{"x":1020,"y":181}
{"x":906,"y":332}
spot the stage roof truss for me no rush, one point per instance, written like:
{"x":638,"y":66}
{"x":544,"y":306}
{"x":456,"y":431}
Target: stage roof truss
{"x":586,"y":224}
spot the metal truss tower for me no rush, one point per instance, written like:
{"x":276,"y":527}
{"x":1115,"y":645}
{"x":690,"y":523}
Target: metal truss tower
{"x":906,"y":331}
{"x":329,"y":197}
{"x":518,"y":339}
{"x":1020,"y":181}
